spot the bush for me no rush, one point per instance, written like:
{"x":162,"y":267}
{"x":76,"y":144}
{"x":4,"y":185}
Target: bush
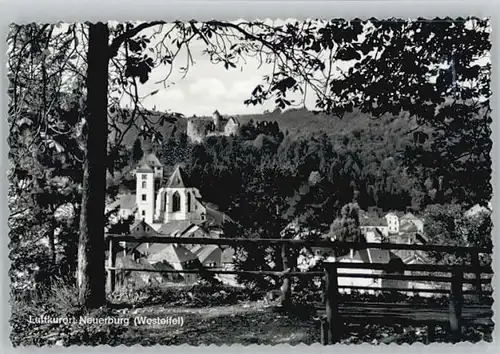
{"x":64,"y":299}
{"x":198,"y":295}
{"x":61,"y":302}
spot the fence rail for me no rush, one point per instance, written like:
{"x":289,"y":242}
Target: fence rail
{"x":296,"y":243}
{"x":335,"y":316}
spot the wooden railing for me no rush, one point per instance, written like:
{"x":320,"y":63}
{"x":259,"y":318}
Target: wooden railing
{"x":336,"y":312}
{"x":332,"y":326}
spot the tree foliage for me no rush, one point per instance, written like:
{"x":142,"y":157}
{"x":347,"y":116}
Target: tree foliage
{"x":428,"y":69}
{"x":137,"y":151}
{"x":45,"y":155}
{"x":452,"y":226}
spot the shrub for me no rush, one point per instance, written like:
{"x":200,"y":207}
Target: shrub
{"x":64,"y":299}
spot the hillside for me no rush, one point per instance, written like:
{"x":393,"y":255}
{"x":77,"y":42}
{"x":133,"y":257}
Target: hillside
{"x":298,"y":123}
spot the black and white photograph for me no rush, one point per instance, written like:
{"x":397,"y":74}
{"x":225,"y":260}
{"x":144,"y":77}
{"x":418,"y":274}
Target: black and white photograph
{"x":250,"y":181}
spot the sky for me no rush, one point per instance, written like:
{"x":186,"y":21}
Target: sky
{"x":209,"y":87}
{"x":206,"y":87}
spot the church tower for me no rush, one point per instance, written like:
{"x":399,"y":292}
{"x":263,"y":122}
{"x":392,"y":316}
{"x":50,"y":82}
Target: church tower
{"x":145,"y":193}
{"x":216,"y":117}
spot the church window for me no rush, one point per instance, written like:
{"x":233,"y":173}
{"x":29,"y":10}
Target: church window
{"x":176,"y":202}
{"x":188,"y":202}
{"x":144,"y":197}
{"x":143,"y":184}
{"x":143,"y":213}
{"x":144,"y":176}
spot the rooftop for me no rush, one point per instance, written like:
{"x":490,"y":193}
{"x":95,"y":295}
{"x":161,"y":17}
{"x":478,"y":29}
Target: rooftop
{"x":175,"y":227}
{"x":173,"y":254}
{"x":370,"y":255}
{"x":178,"y":179}
{"x":151,"y":160}
{"x":207,"y":251}
{"x":144,"y":168}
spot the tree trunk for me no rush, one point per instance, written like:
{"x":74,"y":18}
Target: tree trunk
{"x":91,"y":245}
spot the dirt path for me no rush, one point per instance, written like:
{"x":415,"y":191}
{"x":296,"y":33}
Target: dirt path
{"x":245,"y":324}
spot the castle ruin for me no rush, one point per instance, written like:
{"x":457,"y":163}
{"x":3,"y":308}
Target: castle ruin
{"x":200,"y":128}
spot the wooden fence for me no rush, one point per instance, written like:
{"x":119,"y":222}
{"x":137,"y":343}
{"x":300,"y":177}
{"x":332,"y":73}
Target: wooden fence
{"x":338,"y":313}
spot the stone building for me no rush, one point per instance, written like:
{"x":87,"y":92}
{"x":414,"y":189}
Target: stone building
{"x":179,"y":200}
{"x":176,"y":200}
{"x":200,"y":128}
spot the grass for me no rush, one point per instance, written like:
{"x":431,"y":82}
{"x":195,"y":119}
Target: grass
{"x":210,"y":315}
{"x":245,"y":323}
{"x":250,"y":323}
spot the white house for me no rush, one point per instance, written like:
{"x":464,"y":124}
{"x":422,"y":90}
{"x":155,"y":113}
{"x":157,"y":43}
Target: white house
{"x":392,"y":223}
{"x":477,"y":209}
{"x":367,"y":256}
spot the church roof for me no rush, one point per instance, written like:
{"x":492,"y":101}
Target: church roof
{"x":178,"y":179}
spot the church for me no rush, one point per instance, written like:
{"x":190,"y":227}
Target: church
{"x":159,"y":202}
{"x":177,"y":200}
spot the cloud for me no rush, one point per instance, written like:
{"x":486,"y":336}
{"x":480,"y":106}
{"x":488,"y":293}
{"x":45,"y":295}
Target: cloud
{"x":173,"y":95}
{"x":208,"y":87}
{"x":167,"y":99}
{"x":243,"y":88}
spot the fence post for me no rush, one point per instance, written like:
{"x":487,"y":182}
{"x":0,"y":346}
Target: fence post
{"x":286,"y":296}
{"x":111,"y":265}
{"x":456,"y":298}
{"x":324,"y":331}
{"x":431,"y":333}
{"x":332,"y":303}
{"x":477,"y":280}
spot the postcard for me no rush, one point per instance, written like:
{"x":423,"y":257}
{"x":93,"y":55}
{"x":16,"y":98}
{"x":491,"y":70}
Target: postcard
{"x":272,"y":181}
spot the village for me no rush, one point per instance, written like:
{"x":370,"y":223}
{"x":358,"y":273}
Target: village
{"x":271,"y":181}
{"x":171,"y":206}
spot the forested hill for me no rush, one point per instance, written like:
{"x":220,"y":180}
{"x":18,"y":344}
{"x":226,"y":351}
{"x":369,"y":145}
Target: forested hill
{"x":301,"y":123}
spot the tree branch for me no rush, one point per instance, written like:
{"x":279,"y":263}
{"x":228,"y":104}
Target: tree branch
{"x":118,"y":41}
